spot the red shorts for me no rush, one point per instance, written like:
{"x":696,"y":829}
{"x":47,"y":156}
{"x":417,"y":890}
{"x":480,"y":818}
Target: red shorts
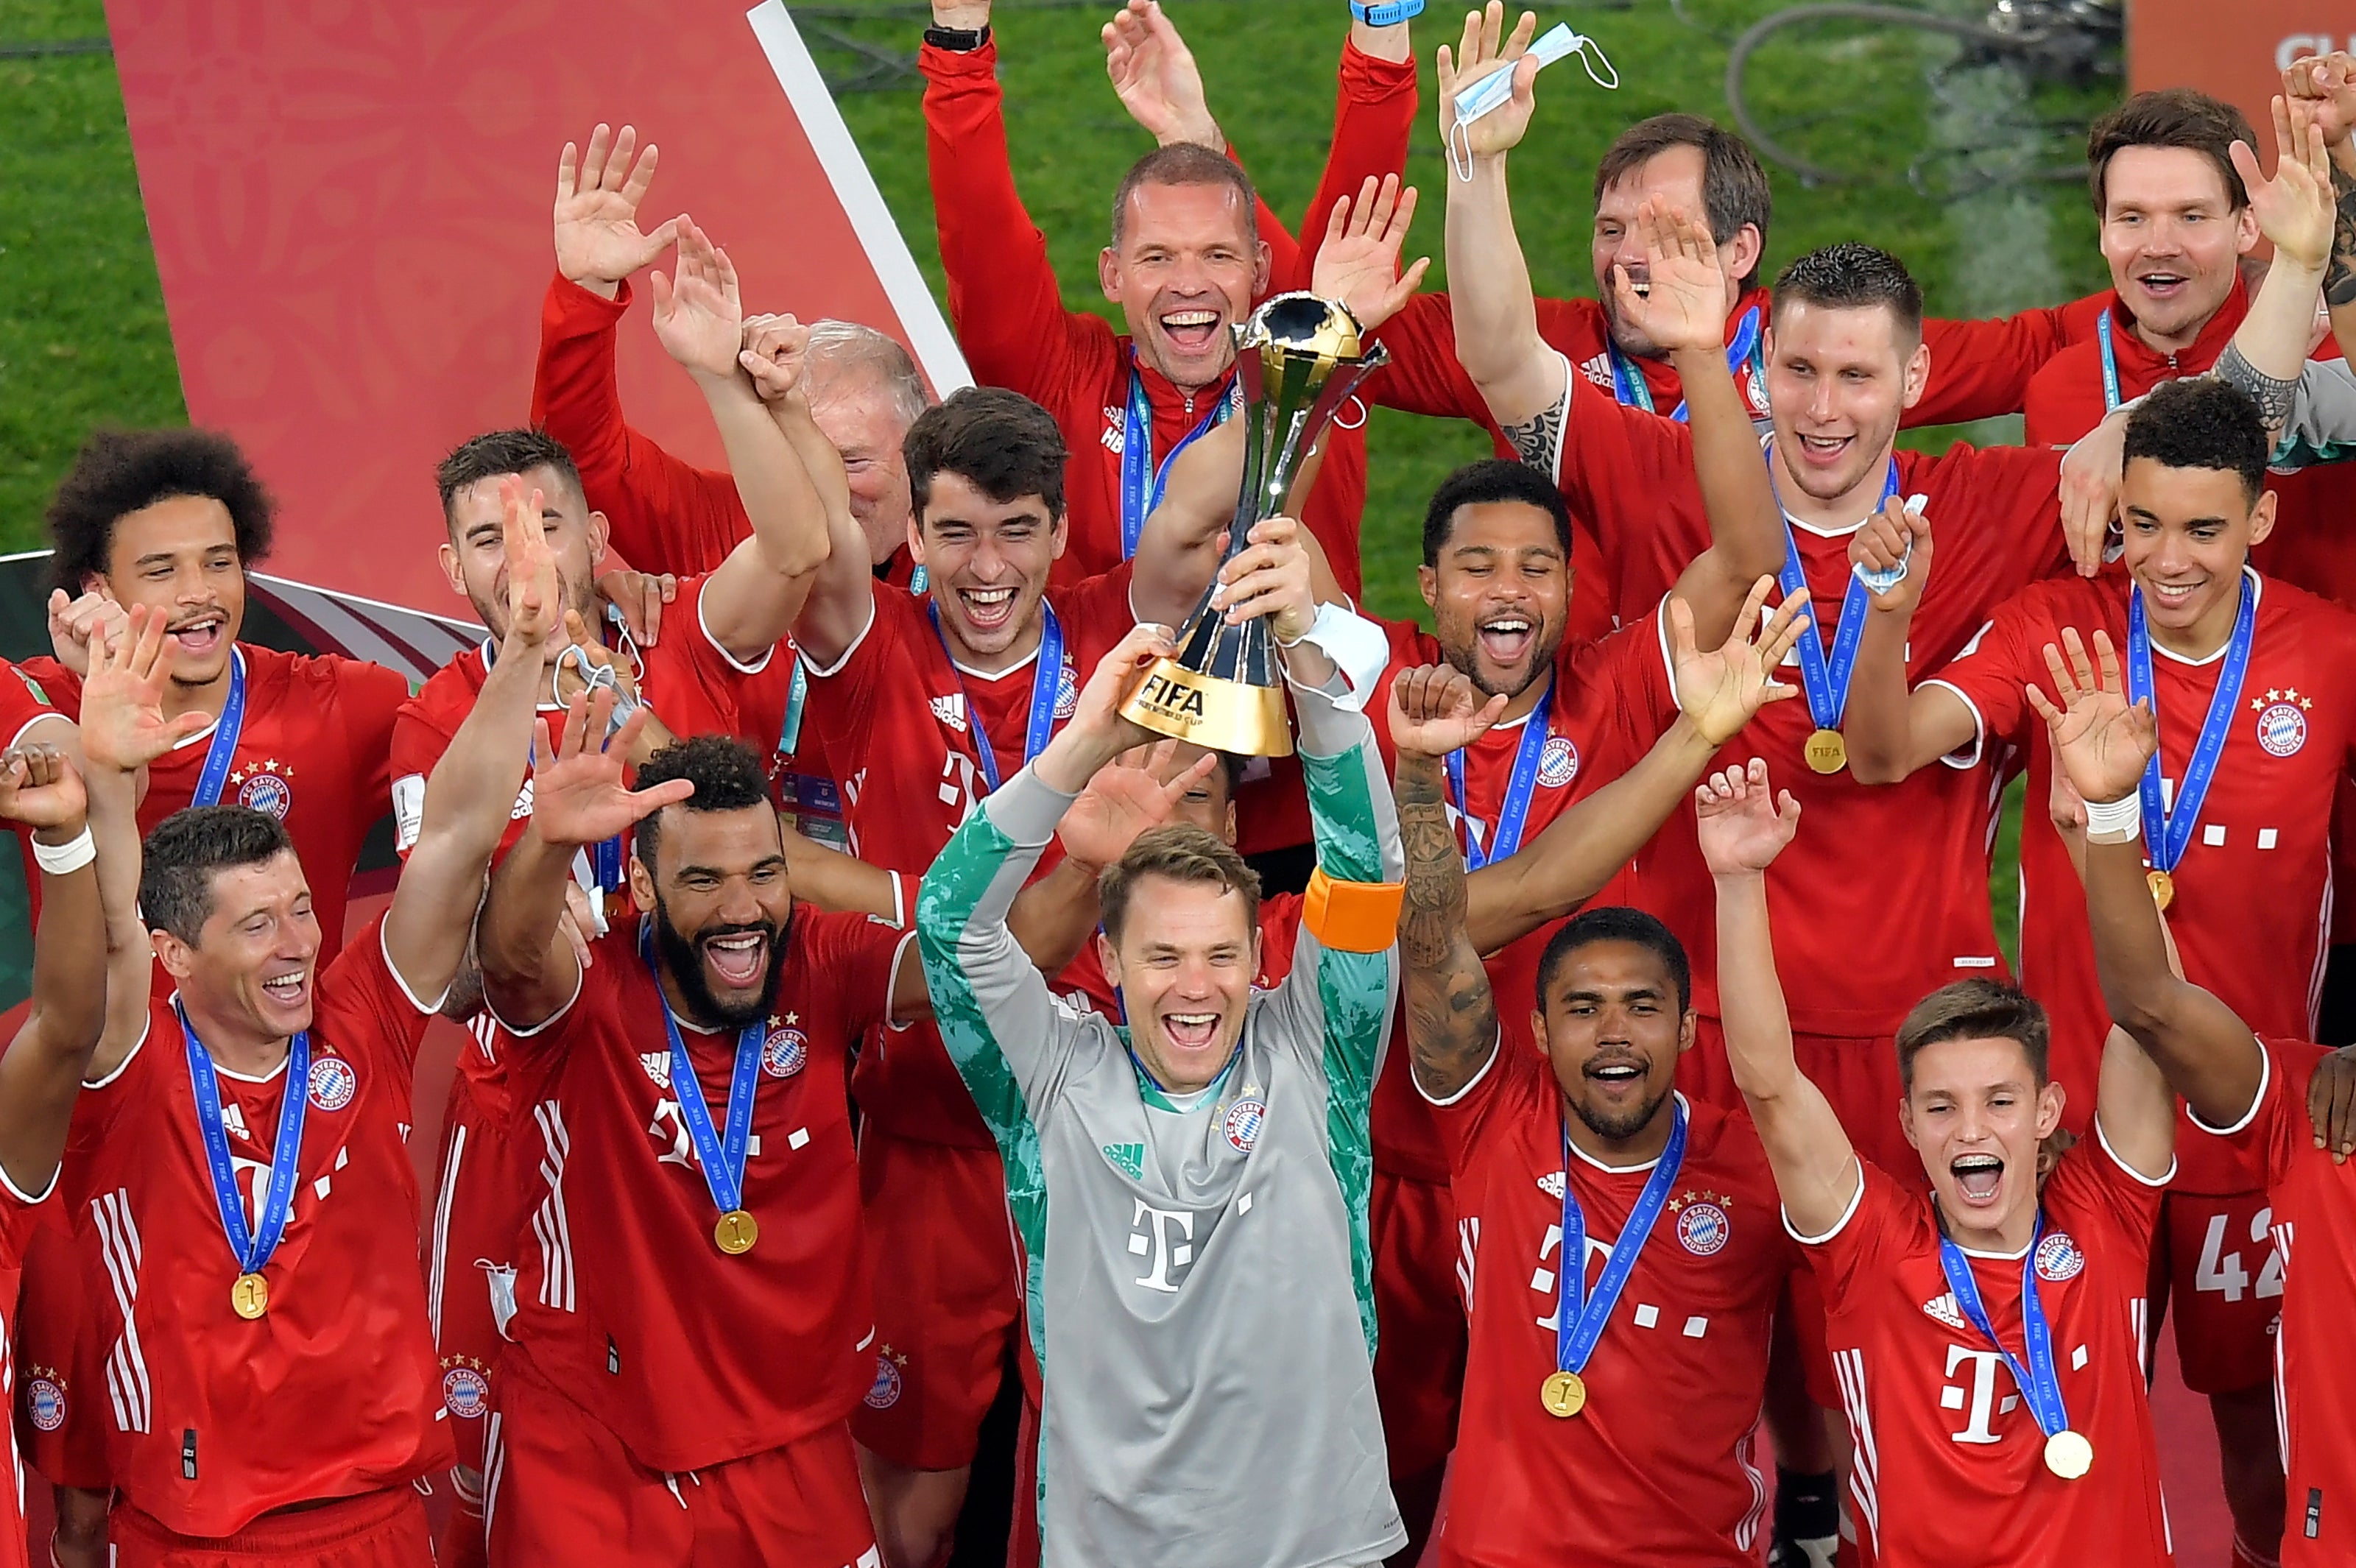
{"x":376,"y":1529}
{"x":944,"y":1263}
{"x":61,"y":1404}
{"x":470,"y":1234}
{"x":2224,"y":1285}
{"x":561,"y":1489}
{"x":1419,"y":1314}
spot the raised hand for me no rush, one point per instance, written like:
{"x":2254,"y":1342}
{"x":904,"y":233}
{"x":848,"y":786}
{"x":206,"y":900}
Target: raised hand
{"x":2329,"y":84}
{"x":2090,"y":492}
{"x":1125,"y":798}
{"x":1742,"y":825}
{"x":122,"y":723}
{"x":579,"y":796}
{"x":535,"y":593}
{"x":2100,"y":739}
{"x":1719,"y":691}
{"x":639,"y":596}
{"x":1156,"y":78}
{"x":1358,"y":264}
{"x":74,"y":623}
{"x":1436,"y":710}
{"x":1270,"y":576}
{"x":1685,"y":306}
{"x":1895,"y":537}
{"x":697,"y":317}
{"x":2294,"y":209}
{"x":776,"y":355}
{"x":598,"y":241}
{"x":1487,"y":49}
{"x":40,"y":789}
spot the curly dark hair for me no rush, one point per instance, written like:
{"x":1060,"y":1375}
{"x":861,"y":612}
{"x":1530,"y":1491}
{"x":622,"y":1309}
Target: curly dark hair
{"x":119,"y":471}
{"x":726,"y":773}
{"x":2202,"y":422}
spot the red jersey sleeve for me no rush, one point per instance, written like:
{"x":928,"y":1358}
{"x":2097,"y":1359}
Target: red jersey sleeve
{"x":2277,"y":1130}
{"x":843,"y":699}
{"x":1852,"y":1251}
{"x":23,"y":704}
{"x":1003,"y":299}
{"x":1500,"y":1093}
{"x":370,"y":699}
{"x":1374,"y":114}
{"x":1993,"y":673}
{"x":2090,"y":1181}
{"x":1980,"y":369}
{"x":858,"y":954}
{"x":2015,"y":494}
{"x":1639,"y":668}
{"x":366,"y":1010}
{"x":662,"y":514}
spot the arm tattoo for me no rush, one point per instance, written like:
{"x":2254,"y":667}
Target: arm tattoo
{"x":2275,"y":399}
{"x":1539,"y":441}
{"x":1451,"y":1013}
{"x":2340,"y":277}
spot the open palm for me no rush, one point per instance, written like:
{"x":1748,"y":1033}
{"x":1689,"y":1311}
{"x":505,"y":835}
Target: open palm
{"x":1155,"y":77}
{"x":1685,"y":306}
{"x":1358,"y":264}
{"x":1125,"y":798}
{"x":1486,"y":49}
{"x":598,"y":197}
{"x":1720,"y":690}
{"x":698,"y":317}
{"x":2101,"y":739}
{"x":122,"y":723}
{"x":579,"y":792}
{"x":1740,"y":824}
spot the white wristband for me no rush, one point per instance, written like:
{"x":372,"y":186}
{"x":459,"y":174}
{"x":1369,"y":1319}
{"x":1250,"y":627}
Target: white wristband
{"x":2116,"y":821}
{"x":62,"y":859}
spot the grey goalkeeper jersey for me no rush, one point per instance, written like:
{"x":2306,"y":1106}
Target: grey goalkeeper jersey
{"x":1199,"y":1279}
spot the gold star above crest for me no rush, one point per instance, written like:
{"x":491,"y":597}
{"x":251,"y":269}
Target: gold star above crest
{"x":270,"y":765}
{"x":2272,"y":696}
{"x":792,"y":1019}
{"x":236,"y":777}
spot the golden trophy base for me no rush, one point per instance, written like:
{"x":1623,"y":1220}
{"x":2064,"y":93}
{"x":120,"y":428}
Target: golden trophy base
{"x":1207,"y":711}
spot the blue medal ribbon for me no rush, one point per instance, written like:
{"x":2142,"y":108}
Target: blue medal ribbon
{"x":719,"y":1152}
{"x":1579,"y":1317}
{"x":1824,"y":678}
{"x":2169,"y":834}
{"x":1746,"y":348}
{"x":226,"y":732}
{"x":1046,"y":680}
{"x":1514,"y":810}
{"x":1141,"y":478}
{"x":2038,"y":1383}
{"x":250,"y":1246}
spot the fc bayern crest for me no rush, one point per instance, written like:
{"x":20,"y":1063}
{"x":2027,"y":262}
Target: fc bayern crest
{"x":884,"y":1392}
{"x":2282,"y":730}
{"x":2058,"y":1258}
{"x":1703,"y":1229}
{"x":1557,"y":762}
{"x":1243,"y":1119}
{"x":45,"y":1403}
{"x":465,"y":1392}
{"x":332,"y":1083}
{"x":267,"y":793}
{"x":785,"y":1052}
{"x":1068,"y":692}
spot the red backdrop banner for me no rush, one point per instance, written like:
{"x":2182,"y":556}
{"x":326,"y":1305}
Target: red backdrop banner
{"x":350,"y":204}
{"x":2237,"y":51}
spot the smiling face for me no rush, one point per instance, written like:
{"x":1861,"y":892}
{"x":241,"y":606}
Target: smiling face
{"x":475,"y":556}
{"x":1837,"y":379}
{"x":1185,"y":961}
{"x":721,"y":902}
{"x":2173,"y":239}
{"x":178,"y":557}
{"x":249,"y":972}
{"x":1976,"y":1112}
{"x":1184,"y":269}
{"x":987,"y":562}
{"x":857,"y":415}
{"x":1500,"y":594}
{"x":1612,"y":1031}
{"x":2187,"y":534}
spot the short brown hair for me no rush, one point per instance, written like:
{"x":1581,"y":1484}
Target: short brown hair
{"x":1185,"y":163}
{"x":998,"y":441}
{"x":1181,"y":852}
{"x":1975,"y":1009}
{"x":1734,"y":189}
{"x":2171,"y":117}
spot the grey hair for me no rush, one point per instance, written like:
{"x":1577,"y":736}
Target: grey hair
{"x":838,"y":348}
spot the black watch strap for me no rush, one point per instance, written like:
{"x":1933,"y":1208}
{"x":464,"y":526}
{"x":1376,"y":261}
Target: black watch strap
{"x":959,"y":40}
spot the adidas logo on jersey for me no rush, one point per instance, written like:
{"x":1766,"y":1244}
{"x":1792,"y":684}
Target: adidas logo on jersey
{"x":658,"y":1066}
{"x":1598,"y":370}
{"x":1127,"y":1158}
{"x":1944,"y":1309}
{"x":950,"y":711}
{"x":523,"y":803}
{"x":1552,"y":1185}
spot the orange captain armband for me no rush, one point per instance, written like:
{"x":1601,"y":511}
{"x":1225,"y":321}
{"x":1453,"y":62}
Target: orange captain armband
{"x":1352,"y":917}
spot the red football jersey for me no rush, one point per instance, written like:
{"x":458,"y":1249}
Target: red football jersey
{"x":2253,"y":904}
{"x":1665,"y":1447}
{"x":23,"y":704}
{"x":899,"y":722}
{"x":334,"y":1391}
{"x":313,"y":753}
{"x":1898,"y":871}
{"x":623,"y":1298}
{"x":19,"y":1214}
{"x":2314,"y":1215}
{"x":1943,"y":1434}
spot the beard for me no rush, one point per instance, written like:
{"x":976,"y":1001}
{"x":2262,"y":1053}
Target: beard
{"x":683,"y":957}
{"x":1620,"y":1128}
{"x":1463,"y":653}
{"x":492,"y":611}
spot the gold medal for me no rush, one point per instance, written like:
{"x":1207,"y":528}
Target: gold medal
{"x":2069,"y":1456}
{"x":249,"y":1297}
{"x":1826,"y":751}
{"x":1563,"y":1395}
{"x":2163,"y":888}
{"x":736,"y":1232}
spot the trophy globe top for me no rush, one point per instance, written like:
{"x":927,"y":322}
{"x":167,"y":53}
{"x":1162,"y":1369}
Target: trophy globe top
{"x":1301,"y":324}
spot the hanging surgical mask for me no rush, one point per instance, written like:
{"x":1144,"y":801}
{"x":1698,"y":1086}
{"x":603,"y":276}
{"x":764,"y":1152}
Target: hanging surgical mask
{"x":1497,"y":87}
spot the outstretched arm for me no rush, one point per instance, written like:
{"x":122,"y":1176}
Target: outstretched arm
{"x":2295,"y":210}
{"x":1891,"y":730}
{"x":46,"y":1062}
{"x":1816,"y":1171}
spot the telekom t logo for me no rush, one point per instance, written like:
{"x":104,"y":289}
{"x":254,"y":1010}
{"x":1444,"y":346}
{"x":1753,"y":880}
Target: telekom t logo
{"x":1975,"y":1393}
{"x":1167,"y":1237}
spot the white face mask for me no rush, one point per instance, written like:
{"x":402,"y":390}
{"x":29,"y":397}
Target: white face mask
{"x":1497,"y":87}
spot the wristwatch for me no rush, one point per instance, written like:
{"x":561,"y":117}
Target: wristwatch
{"x":964,"y":40}
{"x":1384,"y":14}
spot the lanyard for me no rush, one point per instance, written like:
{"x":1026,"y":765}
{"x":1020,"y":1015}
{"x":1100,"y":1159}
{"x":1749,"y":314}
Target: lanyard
{"x":1514,"y":810}
{"x":1825,"y":679}
{"x":1579,"y":1317}
{"x":2037,"y":1382}
{"x":1628,"y":382}
{"x":2170,"y":833}
{"x":789,"y":733}
{"x":219,"y":755}
{"x":722,"y":1153}
{"x":2110,"y":362}
{"x":1141,"y":478}
{"x":1047,"y":681}
{"x":251,"y":1246}
{"x":604,"y":858}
